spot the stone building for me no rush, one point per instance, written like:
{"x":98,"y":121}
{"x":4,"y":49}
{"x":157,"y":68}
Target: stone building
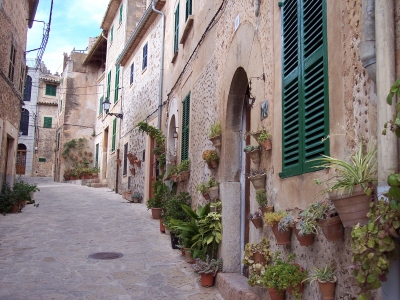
{"x":15,"y":18}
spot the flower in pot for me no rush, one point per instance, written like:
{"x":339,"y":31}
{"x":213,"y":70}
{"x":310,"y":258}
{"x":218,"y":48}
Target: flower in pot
{"x":326,"y":279}
{"x":212,"y":158}
{"x":305,"y":230}
{"x":264,"y":139}
{"x":255,"y":254}
{"x":136,"y":197}
{"x":281,"y":223}
{"x":262,"y":200}
{"x":161,"y":192}
{"x":213,"y":189}
{"x":207,"y":268}
{"x":256,"y":219}
{"x":254,"y":152}
{"x":183,"y":170}
{"x":350,"y":188}
{"x":203,"y":189}
{"x":214,"y":134}
{"x":257,"y":178}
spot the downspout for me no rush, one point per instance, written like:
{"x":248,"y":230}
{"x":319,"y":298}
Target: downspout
{"x":367,"y":45}
{"x":388,"y":149}
{"x":161,"y":63}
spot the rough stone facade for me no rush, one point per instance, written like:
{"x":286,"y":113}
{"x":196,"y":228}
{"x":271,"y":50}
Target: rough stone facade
{"x":13,"y":30}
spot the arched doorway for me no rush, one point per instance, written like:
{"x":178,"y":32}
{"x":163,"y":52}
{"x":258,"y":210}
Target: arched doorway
{"x":234,"y":184}
{"x":21,"y":159}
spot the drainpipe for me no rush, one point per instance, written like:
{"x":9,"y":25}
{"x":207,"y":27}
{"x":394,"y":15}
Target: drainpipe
{"x":161,"y":64}
{"x":257,"y":7}
{"x":367,"y":45}
{"x":387,"y":150}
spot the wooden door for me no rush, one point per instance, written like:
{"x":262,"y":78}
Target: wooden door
{"x":21,"y":162}
{"x":153,"y":168}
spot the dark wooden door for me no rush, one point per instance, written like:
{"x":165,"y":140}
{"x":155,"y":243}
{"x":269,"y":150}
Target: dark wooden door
{"x":21,"y":162}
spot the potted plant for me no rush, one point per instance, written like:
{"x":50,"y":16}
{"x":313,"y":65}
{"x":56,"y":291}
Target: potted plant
{"x":162,"y":161}
{"x":256,"y":219}
{"x":212,"y":158}
{"x":22,"y":193}
{"x":213,"y":189}
{"x":156,"y":204}
{"x":203,"y":189}
{"x":257,"y":253}
{"x":183,"y":170}
{"x":305,"y":230}
{"x":281,"y":223}
{"x":264,"y":139}
{"x":262,"y":200}
{"x":257,"y":178}
{"x":253,"y":152}
{"x":283,"y":275}
{"x":136,"y":197}
{"x":214,"y":134}
{"x":350,"y":189}
{"x":207,"y":268}
{"x":326,"y":279}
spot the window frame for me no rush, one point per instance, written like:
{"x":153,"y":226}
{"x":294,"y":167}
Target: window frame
{"x":120,"y":13}
{"x":96,"y":156}
{"x":46,"y":122}
{"x":111,"y":34}
{"x":125,"y":165}
{"x":188,"y":10}
{"x":176,"y":28}
{"x":101,"y":100}
{"x":24,"y":122}
{"x":28,"y":89}
{"x":116,"y":84}
{"x":185,"y":138}
{"x":145,"y":56}
{"x":132,"y":73}
{"x":114,"y":135}
{"x":51,"y":90}
{"x":11,"y":66}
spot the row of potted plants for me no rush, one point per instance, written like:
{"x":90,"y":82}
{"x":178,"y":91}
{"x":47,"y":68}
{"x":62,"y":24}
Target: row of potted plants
{"x":81,"y":172}
{"x":181,"y":172}
{"x":12,"y":200}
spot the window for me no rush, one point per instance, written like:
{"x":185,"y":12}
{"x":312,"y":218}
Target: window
{"x":96,"y":157}
{"x":188,"y":11}
{"x":42,"y":159}
{"x":114,"y":134}
{"x":125,"y":169}
{"x":132,"y":73}
{"x":24,"y":124}
{"x":116,"y":84}
{"x":22,"y":77}
{"x":144,"y":62}
{"x":101,"y":105}
{"x":47,"y":122}
{"x":51,"y":90}
{"x":185,"y":127}
{"x":120,"y":14}
{"x":58,"y":140}
{"x":11,"y":66}
{"x":304,"y":85}
{"x":28,"y":89}
{"x":176,"y":29}
{"x":108,"y":86}
{"x":112,"y":34}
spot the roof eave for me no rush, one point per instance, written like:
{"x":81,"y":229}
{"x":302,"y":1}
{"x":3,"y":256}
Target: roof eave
{"x":110,"y":14}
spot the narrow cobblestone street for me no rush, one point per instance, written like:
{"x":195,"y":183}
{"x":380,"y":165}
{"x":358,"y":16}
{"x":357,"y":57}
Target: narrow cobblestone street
{"x":44,"y":250}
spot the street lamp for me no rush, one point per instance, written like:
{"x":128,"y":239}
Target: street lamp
{"x":106,"y":107}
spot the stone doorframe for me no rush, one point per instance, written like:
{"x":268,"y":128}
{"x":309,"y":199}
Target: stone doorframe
{"x":243,"y":60}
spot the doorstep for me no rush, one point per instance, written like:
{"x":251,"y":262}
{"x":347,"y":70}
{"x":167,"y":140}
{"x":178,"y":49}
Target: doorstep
{"x":234,"y":286}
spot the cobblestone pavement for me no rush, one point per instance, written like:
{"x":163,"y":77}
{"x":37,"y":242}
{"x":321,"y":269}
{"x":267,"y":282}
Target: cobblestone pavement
{"x":44,"y":251}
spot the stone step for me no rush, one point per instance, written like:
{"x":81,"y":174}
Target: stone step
{"x":94,"y":180}
{"x":234,"y":286}
{"x":98,"y":185}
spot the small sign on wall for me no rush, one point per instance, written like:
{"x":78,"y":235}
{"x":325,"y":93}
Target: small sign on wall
{"x":264,"y":110}
{"x":237,"y":22}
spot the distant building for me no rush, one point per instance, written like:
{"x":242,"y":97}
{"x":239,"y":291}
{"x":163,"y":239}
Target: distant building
{"x":15,"y":18}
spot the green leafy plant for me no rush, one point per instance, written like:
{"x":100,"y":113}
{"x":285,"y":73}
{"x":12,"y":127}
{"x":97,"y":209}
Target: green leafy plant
{"x":202,"y":187}
{"x":212,"y":182}
{"x":263,"y":247}
{"x":161,"y":193}
{"x":272,"y":218}
{"x":210,"y":155}
{"x":394,"y":123}
{"x":184,"y":166}
{"x":360,"y":170}
{"x":250,"y":148}
{"x":162,"y":159}
{"x":320,"y":210}
{"x":208,"y":266}
{"x":137,"y":195}
{"x":306,"y":226}
{"x":7,"y":199}
{"x":155,"y":133}
{"x":214,"y":130}
{"x":262,"y":198}
{"x":158,"y":150}
{"x":174,"y":210}
{"x":263,"y":135}
{"x":324,"y":274}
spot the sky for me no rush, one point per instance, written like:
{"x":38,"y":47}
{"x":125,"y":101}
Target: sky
{"x":73,"y":22}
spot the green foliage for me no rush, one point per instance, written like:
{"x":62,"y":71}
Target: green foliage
{"x":262,"y":198}
{"x":326,"y":274}
{"x":161,"y":193}
{"x":360,"y":170}
{"x":16,"y":195}
{"x":319,"y":210}
{"x":394,"y":123}
{"x":263,"y":135}
{"x":212,"y":182}
{"x":78,"y":157}
{"x":214,"y":130}
{"x":205,"y":186}
{"x":262,"y":247}
{"x":155,"y":133}
{"x":174,"y":210}
{"x":283,"y":274}
{"x":210,"y":155}
{"x":271,"y":218}
{"x":207,"y":266}
{"x":21,"y":190}
{"x":7,"y":199}
{"x":183,"y":166}
{"x":250,"y":148}
{"x":162,"y":159}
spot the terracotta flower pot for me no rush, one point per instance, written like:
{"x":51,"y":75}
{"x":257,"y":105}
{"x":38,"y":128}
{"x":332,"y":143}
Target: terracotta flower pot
{"x":257,"y":222}
{"x":15,"y":208}
{"x":162,"y":227}
{"x":275,"y":294}
{"x":267,"y":144}
{"x":332,"y":228}
{"x":352,"y":209}
{"x":282,"y":238}
{"x":255,"y":156}
{"x":216,"y":140}
{"x":258,"y":181}
{"x":156,"y":213}
{"x":214,"y":164}
{"x":184,"y":175}
{"x":266,"y":209}
{"x":304,"y":240}
{"x":188,"y":255}
{"x":327,"y":289}
{"x":206,"y":196}
{"x":207,"y":280}
{"x":258,"y":257}
{"x":213,"y":193}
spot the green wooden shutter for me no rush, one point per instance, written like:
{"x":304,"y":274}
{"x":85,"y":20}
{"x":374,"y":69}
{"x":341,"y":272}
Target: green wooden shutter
{"x":304,"y":94}
{"x":51,"y":90}
{"x":185,"y":127}
{"x":108,"y":86}
{"x":47,"y":122}
{"x":120,"y":13}
{"x":176,"y":29}
{"x":188,"y":11}
{"x":96,"y":161}
{"x":116,"y":84}
{"x":114,"y":134}
{"x":101,"y":105}
{"x":112,"y":34}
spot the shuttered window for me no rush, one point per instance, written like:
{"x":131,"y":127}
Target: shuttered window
{"x":132,"y":74}
{"x":176,"y":29}
{"x":108,"y":86}
{"x":114,"y":135}
{"x":51,"y":90}
{"x":101,"y":105}
{"x":112,"y":34}
{"x":144,"y":61}
{"x":96,"y":157}
{"x":116,"y":84}
{"x":24,"y":123}
{"x":11,"y":65}
{"x":120,"y":13}
{"x":305,"y":85}
{"x":47,"y":122}
{"x":28,"y":89}
{"x":188,"y":11}
{"x":185,"y":127}
{"x":125,"y":169}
